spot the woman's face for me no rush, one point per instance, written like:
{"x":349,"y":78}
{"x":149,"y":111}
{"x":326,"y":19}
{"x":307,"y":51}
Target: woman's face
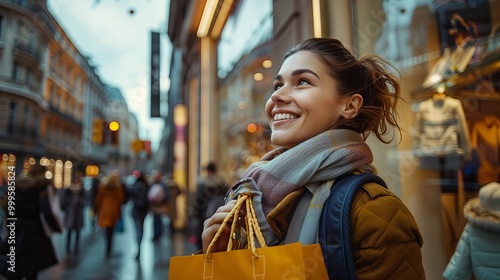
{"x":305,"y":101}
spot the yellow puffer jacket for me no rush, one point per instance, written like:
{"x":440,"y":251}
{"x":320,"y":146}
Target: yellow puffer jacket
{"x":385,"y":237}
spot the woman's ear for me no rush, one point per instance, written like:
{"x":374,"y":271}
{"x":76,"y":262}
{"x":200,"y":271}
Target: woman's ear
{"x":351,"y":106}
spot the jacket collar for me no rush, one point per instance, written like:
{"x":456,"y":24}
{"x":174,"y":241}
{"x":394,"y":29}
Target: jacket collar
{"x":481,"y":217}
{"x":279,"y":218}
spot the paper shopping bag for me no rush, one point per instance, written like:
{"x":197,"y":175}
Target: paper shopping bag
{"x":276,"y":262}
{"x":281,"y":261}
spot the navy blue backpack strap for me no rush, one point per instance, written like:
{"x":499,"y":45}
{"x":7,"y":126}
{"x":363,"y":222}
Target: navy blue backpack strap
{"x":335,"y":224}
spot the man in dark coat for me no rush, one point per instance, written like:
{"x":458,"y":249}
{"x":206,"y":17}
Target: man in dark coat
{"x":210,"y":192}
{"x":139,"y":197}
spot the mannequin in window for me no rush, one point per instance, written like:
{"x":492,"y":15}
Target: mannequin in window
{"x":455,"y":59}
{"x":461,"y":30}
{"x":442,"y":144}
{"x":464,"y":34}
{"x":485,"y":139}
{"x":442,"y":137}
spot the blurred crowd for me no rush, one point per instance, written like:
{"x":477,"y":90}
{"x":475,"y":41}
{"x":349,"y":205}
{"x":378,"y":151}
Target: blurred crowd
{"x":42,"y":210}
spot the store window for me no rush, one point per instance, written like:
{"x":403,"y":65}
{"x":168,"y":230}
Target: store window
{"x":460,"y":93}
{"x":11,"y":117}
{"x":18,"y":72}
{"x":447,"y":54}
{"x":249,"y":25}
{"x":7,"y":161}
{"x":396,"y":30}
{"x":445,"y":51}
{"x":26,"y":120}
{"x":35,"y":123}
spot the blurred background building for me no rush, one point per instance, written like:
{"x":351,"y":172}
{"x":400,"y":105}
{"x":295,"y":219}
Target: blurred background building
{"x":54,"y":106}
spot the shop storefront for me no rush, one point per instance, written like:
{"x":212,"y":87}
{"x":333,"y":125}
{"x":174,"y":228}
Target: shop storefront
{"x":58,"y":170}
{"x":448,"y":58}
{"x":244,"y":54}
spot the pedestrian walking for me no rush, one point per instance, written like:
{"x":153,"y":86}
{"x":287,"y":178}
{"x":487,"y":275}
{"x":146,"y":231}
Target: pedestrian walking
{"x":210,"y":192}
{"x":173,"y":192}
{"x":108,"y":202}
{"x":158,"y":197}
{"x":138,"y":194}
{"x":33,"y":248}
{"x":74,"y":201}
{"x":96,"y":181}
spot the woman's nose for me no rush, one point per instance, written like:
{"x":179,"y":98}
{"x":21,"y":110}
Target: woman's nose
{"x":280,"y":96}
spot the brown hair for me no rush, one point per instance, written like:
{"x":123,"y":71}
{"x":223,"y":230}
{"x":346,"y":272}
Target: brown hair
{"x":369,"y":76}
{"x":112,"y":179}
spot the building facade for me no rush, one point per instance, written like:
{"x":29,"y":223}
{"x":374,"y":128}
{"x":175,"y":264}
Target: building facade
{"x":51,"y":97}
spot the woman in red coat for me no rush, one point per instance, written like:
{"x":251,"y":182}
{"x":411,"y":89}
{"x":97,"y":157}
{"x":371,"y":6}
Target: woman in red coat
{"x":109,"y":199}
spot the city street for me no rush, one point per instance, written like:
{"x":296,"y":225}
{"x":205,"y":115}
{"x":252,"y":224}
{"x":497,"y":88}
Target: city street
{"x":92,"y":264}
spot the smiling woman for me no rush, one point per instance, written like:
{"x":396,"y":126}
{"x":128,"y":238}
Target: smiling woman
{"x":324,"y":105}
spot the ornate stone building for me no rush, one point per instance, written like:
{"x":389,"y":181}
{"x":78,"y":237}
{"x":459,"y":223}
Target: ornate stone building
{"x":51,"y":97}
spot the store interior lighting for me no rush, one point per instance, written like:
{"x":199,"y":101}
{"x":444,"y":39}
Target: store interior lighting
{"x":207,"y":17}
{"x":316,"y":10}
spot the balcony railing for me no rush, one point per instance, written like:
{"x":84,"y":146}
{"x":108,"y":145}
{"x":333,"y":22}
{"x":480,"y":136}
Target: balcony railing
{"x":24,"y":49}
{"x":65,"y":117}
{"x":16,"y":132}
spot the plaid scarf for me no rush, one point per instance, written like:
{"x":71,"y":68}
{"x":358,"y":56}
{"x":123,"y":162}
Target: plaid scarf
{"x":317,"y":160}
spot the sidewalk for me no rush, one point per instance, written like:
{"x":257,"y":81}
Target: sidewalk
{"x":91,"y":263}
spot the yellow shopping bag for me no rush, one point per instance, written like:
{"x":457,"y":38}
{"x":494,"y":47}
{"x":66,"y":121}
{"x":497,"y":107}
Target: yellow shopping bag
{"x":278,"y":262}
{"x":291,"y":261}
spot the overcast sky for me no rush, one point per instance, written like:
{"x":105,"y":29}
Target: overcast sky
{"x":118,"y":43}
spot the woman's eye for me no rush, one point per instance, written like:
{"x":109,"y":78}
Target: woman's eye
{"x":277,"y":87}
{"x":303,"y":82}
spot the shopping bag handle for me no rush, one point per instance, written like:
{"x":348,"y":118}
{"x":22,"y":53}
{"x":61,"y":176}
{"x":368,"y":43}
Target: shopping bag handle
{"x":252,"y":225}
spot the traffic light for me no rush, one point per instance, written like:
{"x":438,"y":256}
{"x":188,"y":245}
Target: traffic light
{"x":97,"y":131}
{"x":114,"y":127}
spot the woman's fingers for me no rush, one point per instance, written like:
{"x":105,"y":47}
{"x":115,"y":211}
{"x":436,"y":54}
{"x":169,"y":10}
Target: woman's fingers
{"x":213,"y":224}
{"x":219,"y":215}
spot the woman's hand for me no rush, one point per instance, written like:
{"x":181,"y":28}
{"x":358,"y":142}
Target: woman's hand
{"x":212,"y":225}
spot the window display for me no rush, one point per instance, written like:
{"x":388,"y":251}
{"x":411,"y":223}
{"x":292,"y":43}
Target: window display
{"x":442,"y":135}
{"x":486,"y":141}
{"x":447,"y":53}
